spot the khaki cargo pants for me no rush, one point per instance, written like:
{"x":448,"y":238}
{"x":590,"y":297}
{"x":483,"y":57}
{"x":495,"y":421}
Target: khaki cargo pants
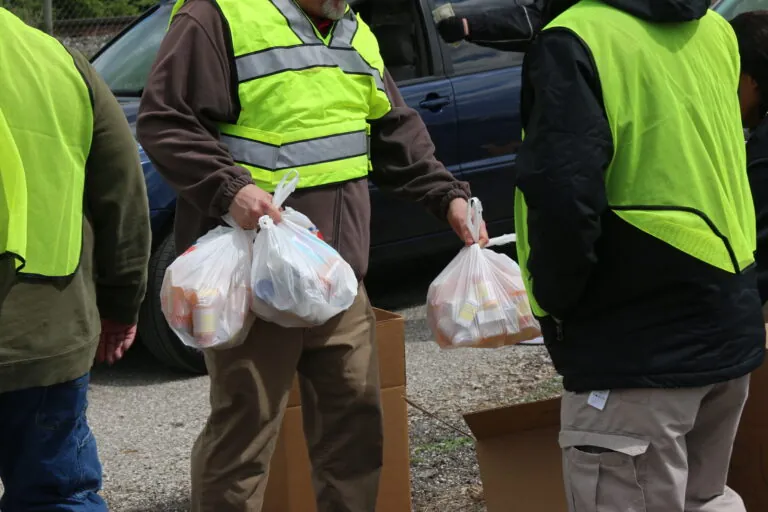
{"x":652,"y":450}
{"x":338,"y":367}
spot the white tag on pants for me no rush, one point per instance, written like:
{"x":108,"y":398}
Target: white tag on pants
{"x":597,"y":399}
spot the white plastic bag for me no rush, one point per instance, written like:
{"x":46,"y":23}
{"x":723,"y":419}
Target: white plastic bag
{"x":206,"y":294}
{"x":297,"y":279}
{"x":479,"y":300}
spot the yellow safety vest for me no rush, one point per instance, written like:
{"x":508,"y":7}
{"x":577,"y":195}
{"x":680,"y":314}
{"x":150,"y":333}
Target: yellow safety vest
{"x":679,"y":166}
{"x":47,"y":107}
{"x":306,"y":100}
{"x":13,"y":198}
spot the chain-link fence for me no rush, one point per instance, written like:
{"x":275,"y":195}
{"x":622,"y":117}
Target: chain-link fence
{"x":82,"y":24}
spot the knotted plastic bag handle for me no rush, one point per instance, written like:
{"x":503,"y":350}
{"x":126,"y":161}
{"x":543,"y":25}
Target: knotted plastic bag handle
{"x":502,"y":240}
{"x":474,"y":217}
{"x":285,"y":188}
{"x":475,"y":221}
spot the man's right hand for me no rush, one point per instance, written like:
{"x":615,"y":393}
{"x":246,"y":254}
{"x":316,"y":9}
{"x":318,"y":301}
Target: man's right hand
{"x":453,"y":29}
{"x":250,"y":204}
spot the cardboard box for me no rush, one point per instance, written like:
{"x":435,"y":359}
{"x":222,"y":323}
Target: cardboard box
{"x":290,"y":484}
{"x":749,"y":464}
{"x":519,"y":456}
{"x":521,"y":465}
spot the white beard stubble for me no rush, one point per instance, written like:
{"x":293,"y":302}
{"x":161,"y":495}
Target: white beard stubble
{"x":334,"y":9}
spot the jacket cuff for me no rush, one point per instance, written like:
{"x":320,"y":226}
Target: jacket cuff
{"x":120,"y":304}
{"x":459,"y":190}
{"x":228,"y":191}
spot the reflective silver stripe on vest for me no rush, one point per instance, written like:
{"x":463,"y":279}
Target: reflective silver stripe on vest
{"x":297,"y":20}
{"x":345,"y":31}
{"x":251,"y":152}
{"x":295,"y":58}
{"x":297,"y":154}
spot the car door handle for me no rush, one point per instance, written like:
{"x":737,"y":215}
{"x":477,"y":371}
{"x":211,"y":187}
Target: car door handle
{"x":434,"y":102}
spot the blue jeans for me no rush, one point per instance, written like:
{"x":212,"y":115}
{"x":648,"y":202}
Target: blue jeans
{"x":48,"y":457}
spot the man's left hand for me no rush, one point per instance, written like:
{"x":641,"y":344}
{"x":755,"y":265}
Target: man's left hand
{"x":457,"y":218}
{"x":116,"y":339}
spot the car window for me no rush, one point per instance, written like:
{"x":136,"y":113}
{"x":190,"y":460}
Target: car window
{"x":400,"y":33}
{"x":125,"y":64}
{"x":470,"y":58}
{"x":732,"y":8}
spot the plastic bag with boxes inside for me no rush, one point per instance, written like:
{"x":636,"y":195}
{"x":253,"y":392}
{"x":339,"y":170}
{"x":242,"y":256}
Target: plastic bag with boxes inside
{"x":205,"y":295}
{"x":479,"y":300}
{"x":298,"y":280}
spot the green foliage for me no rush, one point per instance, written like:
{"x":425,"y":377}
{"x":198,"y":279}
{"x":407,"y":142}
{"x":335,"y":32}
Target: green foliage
{"x":30,"y":11}
{"x":448,"y":445}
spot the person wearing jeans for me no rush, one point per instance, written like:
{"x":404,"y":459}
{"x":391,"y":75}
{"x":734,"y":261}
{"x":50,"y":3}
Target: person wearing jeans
{"x":52,"y":460}
{"x":74,"y":293}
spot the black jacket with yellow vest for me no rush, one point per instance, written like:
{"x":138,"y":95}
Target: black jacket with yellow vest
{"x":626,"y":310}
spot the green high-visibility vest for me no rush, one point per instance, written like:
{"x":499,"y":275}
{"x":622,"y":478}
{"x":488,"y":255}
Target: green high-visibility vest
{"x":47,"y":106}
{"x":13,"y":198}
{"x":306,"y":99}
{"x":679,"y":165}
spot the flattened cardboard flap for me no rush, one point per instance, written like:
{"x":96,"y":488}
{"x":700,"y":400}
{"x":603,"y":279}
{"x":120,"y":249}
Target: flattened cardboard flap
{"x":520,"y":461}
{"x":390,"y":337}
{"x":518,"y":418}
{"x":385,"y":316}
{"x":748,"y":473}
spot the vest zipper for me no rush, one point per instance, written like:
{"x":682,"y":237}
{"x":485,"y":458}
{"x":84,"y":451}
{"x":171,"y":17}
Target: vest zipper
{"x":558,"y":329}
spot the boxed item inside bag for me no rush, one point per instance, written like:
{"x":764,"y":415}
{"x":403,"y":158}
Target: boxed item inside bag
{"x":205,"y":295}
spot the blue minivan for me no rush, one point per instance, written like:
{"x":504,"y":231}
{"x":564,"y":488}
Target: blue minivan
{"x":467,"y":95}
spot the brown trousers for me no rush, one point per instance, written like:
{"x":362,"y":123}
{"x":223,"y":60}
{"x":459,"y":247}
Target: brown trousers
{"x":338,"y":367}
{"x":652,"y":450}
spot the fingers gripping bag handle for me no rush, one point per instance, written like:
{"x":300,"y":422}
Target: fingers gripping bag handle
{"x":283,"y":190}
{"x":475,"y":217}
{"x":475,"y":222}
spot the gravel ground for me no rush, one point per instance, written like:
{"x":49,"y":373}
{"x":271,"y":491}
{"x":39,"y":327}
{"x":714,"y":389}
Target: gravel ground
{"x":146,"y":417}
{"x":445,"y":476}
{"x":88,"y":45}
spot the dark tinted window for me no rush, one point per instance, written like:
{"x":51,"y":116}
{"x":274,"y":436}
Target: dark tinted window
{"x":399,"y":31}
{"x":471,"y":58}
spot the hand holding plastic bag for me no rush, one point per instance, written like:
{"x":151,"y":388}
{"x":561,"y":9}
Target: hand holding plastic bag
{"x":298,"y":280}
{"x":479,"y":300}
{"x":206,"y":295}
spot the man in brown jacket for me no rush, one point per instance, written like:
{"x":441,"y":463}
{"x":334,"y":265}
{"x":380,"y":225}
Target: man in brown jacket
{"x":53,"y":325}
{"x":191,"y":92}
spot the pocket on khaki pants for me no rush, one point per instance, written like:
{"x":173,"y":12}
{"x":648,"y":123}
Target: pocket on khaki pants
{"x":600,"y":471}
